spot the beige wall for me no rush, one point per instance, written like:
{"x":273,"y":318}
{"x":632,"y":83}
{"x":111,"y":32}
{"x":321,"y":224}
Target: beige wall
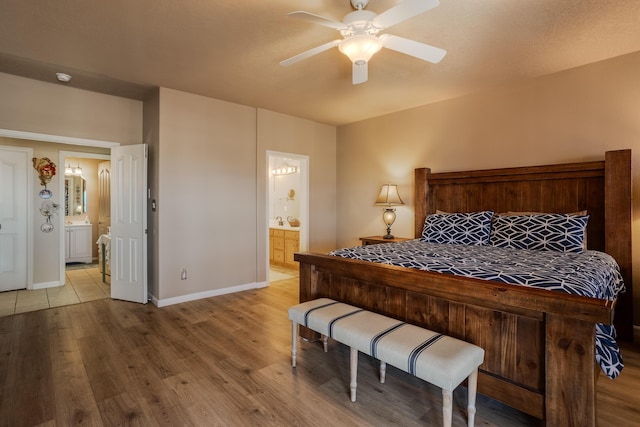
{"x":33,"y":106}
{"x":151,"y":131}
{"x":206,"y":218}
{"x":211,"y":216}
{"x":287,"y":134}
{"x":570,"y":116}
{"x":203,"y":165}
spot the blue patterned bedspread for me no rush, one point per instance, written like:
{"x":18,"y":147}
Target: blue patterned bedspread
{"x":591,"y":273}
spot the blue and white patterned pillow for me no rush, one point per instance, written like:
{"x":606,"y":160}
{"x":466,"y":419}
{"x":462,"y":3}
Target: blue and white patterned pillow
{"x":546,"y":232}
{"x":458,"y":228}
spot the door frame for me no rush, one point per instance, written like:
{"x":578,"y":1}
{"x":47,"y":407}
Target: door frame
{"x":62,"y":163}
{"x":304,"y":202}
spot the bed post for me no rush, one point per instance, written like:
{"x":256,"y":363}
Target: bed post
{"x":420,"y":202}
{"x":617,"y":214}
{"x":308,"y":291}
{"x":570,"y":396}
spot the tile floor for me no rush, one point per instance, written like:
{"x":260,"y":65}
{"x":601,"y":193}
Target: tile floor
{"x":83,"y":283}
{"x":277,"y":273}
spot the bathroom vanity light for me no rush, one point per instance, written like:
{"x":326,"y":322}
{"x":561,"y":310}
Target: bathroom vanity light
{"x":284,"y":170}
{"x":389,"y":197}
{"x":68,"y":170}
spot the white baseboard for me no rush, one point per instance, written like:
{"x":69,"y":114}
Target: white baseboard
{"x":205,"y":294}
{"x":45,"y":285}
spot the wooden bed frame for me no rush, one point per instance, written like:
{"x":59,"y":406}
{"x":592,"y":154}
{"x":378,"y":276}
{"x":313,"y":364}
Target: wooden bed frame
{"x":539,"y":345}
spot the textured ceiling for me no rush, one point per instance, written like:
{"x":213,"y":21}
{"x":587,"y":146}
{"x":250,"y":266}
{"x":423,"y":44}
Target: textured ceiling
{"x":231,"y":50}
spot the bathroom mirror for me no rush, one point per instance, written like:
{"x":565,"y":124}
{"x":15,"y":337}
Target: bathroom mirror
{"x":75,"y":195}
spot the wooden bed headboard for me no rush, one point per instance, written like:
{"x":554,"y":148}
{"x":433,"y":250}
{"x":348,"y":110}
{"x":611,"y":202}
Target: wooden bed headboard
{"x":602,"y":188}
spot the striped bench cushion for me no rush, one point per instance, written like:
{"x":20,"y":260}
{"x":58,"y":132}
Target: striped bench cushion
{"x":439,"y":359}
{"x":321,"y":314}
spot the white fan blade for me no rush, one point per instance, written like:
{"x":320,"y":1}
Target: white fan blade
{"x":360,"y":73}
{"x":309,"y":53}
{"x":403,"y":11}
{"x":317,"y":19}
{"x":413,"y":48}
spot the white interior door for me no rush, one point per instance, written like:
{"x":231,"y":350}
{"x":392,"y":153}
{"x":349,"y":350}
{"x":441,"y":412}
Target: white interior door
{"x":13,"y":218}
{"x":104,"y":197}
{"x":129,"y":223}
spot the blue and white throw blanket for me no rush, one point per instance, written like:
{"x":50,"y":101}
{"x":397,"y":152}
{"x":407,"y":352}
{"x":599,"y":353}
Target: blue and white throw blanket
{"x":590,"y":273}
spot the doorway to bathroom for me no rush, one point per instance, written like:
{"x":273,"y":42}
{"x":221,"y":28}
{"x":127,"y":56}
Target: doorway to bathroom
{"x":287,"y":212}
{"x":86,"y":207}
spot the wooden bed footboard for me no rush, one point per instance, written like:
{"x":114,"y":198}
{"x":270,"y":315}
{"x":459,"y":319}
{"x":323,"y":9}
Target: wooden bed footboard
{"x":539,"y":345}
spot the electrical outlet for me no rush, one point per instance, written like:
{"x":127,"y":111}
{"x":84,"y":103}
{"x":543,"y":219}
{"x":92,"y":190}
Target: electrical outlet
{"x":183,"y":274}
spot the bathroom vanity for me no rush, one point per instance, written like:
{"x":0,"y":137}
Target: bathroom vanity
{"x":283,"y":243}
{"x":79,"y":246}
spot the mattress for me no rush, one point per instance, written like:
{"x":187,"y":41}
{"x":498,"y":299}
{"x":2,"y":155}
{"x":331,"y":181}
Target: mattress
{"x":590,"y":273}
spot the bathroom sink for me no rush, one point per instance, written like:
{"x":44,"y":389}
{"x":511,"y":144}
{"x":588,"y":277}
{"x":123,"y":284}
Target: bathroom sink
{"x":75,"y":223}
{"x":283,"y":227}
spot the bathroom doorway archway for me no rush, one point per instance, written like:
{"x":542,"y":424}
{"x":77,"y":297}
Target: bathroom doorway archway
{"x":84,"y":159}
{"x":287,"y":199}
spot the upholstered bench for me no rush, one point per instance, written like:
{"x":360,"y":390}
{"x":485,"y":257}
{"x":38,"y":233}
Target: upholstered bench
{"x":438,"y":359}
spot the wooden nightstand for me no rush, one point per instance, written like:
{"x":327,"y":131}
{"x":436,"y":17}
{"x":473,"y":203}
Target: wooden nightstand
{"x":373,"y":240}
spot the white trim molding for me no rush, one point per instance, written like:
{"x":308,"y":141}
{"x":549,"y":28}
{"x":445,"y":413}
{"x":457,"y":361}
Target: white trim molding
{"x":205,"y":294}
{"x":18,"y":134}
{"x":45,"y":285}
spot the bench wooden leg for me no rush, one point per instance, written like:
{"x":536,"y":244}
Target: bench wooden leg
{"x":294,"y":342}
{"x":383,"y":371}
{"x":447,"y":407}
{"x":325,"y":343}
{"x":471,"y":397}
{"x":354,"y":372}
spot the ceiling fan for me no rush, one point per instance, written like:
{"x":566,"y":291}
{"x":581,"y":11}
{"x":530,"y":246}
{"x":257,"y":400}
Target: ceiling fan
{"x":360,"y":29}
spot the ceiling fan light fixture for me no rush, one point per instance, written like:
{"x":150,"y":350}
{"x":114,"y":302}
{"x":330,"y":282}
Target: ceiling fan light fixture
{"x":360,"y":48}
{"x":360,"y":30}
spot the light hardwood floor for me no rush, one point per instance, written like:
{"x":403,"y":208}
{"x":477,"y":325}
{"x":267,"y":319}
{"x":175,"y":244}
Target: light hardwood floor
{"x":222,"y":361}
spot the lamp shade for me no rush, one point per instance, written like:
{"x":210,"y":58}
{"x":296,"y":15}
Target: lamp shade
{"x":389,"y":196}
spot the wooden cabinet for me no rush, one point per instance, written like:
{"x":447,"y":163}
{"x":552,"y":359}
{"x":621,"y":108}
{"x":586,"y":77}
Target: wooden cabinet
{"x":277,"y":242}
{"x":291,"y":246}
{"x":78,"y":245}
{"x":270,"y":244}
{"x":282,"y":245}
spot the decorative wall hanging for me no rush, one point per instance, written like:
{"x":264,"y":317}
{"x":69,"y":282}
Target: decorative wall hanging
{"x":48,"y":210}
{"x":46,"y":170}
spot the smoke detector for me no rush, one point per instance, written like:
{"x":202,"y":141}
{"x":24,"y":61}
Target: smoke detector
{"x":63,"y":77}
